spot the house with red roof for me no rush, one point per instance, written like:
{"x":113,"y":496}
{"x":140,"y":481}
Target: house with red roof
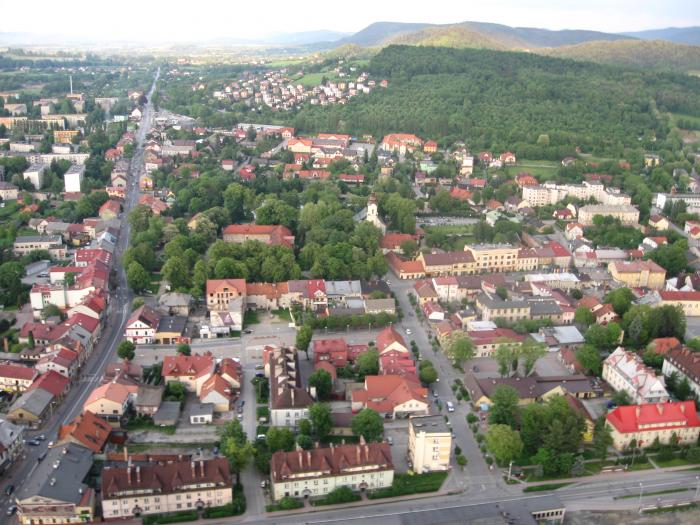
{"x":141,"y":325}
{"x":391,"y":242}
{"x":336,"y":352}
{"x":390,"y":340}
{"x":87,"y":430}
{"x":16,"y":378}
{"x":507,"y":158}
{"x":525,"y":179}
{"x":190,"y":370}
{"x":157,"y":206}
{"x":53,"y":382}
{"x":404,"y":269}
{"x":400,"y":143}
{"x":217,"y":391}
{"x":430,"y":146}
{"x":689,"y":301}
{"x":647,"y":422}
{"x":110,"y":210}
{"x":398,"y":365}
{"x":433,"y":311}
{"x":487,"y":341}
{"x":662,"y":345}
{"x":111,"y":400}
{"x":461,"y":194}
{"x":392,"y":396}
{"x":62,"y":360}
{"x":271,"y":234}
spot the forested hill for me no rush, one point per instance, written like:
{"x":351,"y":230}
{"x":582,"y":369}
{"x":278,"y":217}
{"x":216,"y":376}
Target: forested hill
{"x":542,"y":107}
{"x":657,"y":54}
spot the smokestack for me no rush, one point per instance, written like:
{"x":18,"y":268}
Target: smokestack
{"x":70,"y":77}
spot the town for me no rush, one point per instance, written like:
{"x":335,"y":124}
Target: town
{"x":210,"y":312}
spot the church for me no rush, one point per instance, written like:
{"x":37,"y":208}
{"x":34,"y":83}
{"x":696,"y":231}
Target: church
{"x":371,"y":214}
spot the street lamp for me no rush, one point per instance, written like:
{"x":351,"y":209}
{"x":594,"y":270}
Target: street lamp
{"x":641,"y":492}
{"x":510,"y":469}
{"x":697,"y":486}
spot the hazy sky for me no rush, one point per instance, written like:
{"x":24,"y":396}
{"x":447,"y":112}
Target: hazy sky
{"x":188,"y":20}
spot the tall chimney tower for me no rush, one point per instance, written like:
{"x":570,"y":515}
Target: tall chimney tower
{"x":70,"y":78}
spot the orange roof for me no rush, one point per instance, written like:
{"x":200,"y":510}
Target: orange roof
{"x":269,"y":290}
{"x":460,"y":194}
{"x":218,"y":384}
{"x":392,"y":241}
{"x":88,"y":429}
{"x":400,"y":266}
{"x":383,"y":393}
{"x":215,"y":285}
{"x":389,"y":336}
{"x":113,"y":392}
{"x":661,"y":345}
{"x":188,"y":365}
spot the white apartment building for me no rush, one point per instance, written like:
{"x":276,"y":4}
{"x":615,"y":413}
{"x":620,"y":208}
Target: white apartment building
{"x":429,"y":443}
{"x":626,"y":371}
{"x":73,"y":178}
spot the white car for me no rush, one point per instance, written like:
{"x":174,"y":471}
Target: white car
{"x":450,"y":406}
{"x":408,"y":331}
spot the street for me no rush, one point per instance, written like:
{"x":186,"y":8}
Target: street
{"x":118,"y":311}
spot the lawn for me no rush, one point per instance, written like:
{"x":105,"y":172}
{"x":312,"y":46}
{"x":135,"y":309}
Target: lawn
{"x":173,"y":517}
{"x":284,"y":315}
{"x":545,"y":487}
{"x":147,"y":424}
{"x":155,"y":283}
{"x":656,"y":493}
{"x":143,"y":447}
{"x":250,"y":317}
{"x":314,"y":79}
{"x":675,"y":462}
{"x":543,"y":170}
{"x":451,"y":229}
{"x":405,"y":484}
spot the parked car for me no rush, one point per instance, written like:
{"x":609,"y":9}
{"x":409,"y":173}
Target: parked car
{"x":42,"y":437}
{"x":263,"y":484}
{"x":41,"y":456}
{"x":11,"y":510}
{"x":450,"y":406}
{"x":247,"y":331}
{"x":260,"y":367}
{"x":435,"y":394}
{"x":9,"y":489}
{"x":390,"y":440}
{"x":408,"y":331}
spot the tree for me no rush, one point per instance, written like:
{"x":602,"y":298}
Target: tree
{"x":321,"y":422}
{"x":684,"y":391}
{"x":530,"y":352}
{"x":621,"y":300}
{"x":305,"y":441}
{"x":459,"y":348}
{"x":504,"y":406}
{"x":236,"y":448}
{"x":589,"y":358}
{"x":603,"y":336}
{"x":461,"y":460}
{"x":279,"y":438}
{"x":602,"y":438}
{"x":427,"y":374}
{"x":621,"y":398}
{"x":304,"y":335}
{"x":368,"y":363}
{"x":504,"y":443}
{"x":183,"y":349}
{"x":504,"y":357}
{"x":409,"y":248}
{"x":368,"y":424}
{"x":584,"y":316}
{"x":323,"y":382}
{"x":137,"y":277}
{"x":177,"y":273}
{"x":126,"y":350}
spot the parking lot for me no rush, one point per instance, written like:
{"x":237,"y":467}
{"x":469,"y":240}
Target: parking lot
{"x":398,"y":436}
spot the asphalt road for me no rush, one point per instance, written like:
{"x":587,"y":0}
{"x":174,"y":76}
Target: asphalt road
{"x":117,"y":314}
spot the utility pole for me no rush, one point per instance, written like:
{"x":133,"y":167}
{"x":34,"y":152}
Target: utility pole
{"x":70,"y":78}
{"x":641,"y":492}
{"x":697,"y":486}
{"x":510,"y":469}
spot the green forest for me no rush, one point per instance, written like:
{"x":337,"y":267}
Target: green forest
{"x":539,"y":107}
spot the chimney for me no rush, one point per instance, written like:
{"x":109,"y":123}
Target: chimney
{"x":308,"y":456}
{"x":301,"y":457}
{"x":194,"y":475}
{"x":138,"y":474}
{"x":126,"y":454}
{"x":201,"y":467}
{"x":358,"y":454}
{"x":128,"y":474}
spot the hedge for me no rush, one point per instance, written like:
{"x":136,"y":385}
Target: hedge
{"x":337,"y":496}
{"x":285,"y":503}
{"x":235,"y":508}
{"x":172,"y":517}
{"x":405,"y":484}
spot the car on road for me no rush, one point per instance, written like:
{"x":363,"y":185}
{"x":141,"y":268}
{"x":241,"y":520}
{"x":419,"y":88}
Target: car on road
{"x":11,"y":510}
{"x":41,"y":456}
{"x":33,"y":442}
{"x":247,"y":331}
{"x":240,"y":415}
{"x":260,"y":367}
{"x":263,"y":484}
{"x":42,"y":437}
{"x":261,"y":437}
{"x":450,"y":406}
{"x":435,"y":394}
{"x":9,"y":489}
{"x":408,"y":331}
{"x":390,"y":440}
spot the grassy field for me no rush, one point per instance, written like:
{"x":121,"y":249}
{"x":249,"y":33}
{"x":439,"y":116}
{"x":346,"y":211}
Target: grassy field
{"x":543,"y":170}
{"x":314,"y":79}
{"x":546,"y":486}
{"x":451,"y":229}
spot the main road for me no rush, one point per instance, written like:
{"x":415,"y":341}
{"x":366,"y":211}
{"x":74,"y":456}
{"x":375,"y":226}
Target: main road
{"x":117,"y":314}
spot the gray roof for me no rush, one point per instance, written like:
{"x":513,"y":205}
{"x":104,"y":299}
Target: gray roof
{"x":33,"y":401}
{"x":168,"y":412}
{"x":60,"y":476}
{"x":8,"y":433}
{"x":343,"y":288}
{"x":172,"y":323}
{"x":548,"y":307}
{"x":147,"y":395}
{"x":175,"y":299}
{"x":201,"y":409}
{"x":388,"y":305}
{"x":495,"y":301}
{"x":54,"y":239}
{"x":429,"y":424}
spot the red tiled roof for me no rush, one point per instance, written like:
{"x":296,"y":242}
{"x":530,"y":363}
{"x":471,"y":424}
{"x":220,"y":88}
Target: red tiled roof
{"x":654,"y":416}
{"x":52,"y":382}
{"x":667,"y":295}
{"x":187,"y":365}
{"x":88,"y":429}
{"x":383,"y":393}
{"x":17,"y":371}
{"x":661,"y":345}
{"x":391,"y":241}
{"x":387,"y":337}
{"x":214,"y":285}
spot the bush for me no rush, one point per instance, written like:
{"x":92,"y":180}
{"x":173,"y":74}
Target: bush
{"x":172,"y":517}
{"x":339,"y":495}
{"x":405,"y":484}
{"x":472,"y":418}
{"x":665,"y":454}
{"x":285,"y":503}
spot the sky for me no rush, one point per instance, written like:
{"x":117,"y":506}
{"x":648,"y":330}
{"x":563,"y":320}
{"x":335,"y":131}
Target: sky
{"x":179,"y":20}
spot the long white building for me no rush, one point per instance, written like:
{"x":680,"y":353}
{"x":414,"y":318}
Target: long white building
{"x":550,"y":193}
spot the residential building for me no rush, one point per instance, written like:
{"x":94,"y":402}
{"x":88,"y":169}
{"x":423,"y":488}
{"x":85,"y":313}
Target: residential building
{"x":389,"y":340}
{"x":549,"y":194}
{"x":190,"y":370}
{"x":35,"y":174}
{"x":638,"y":274}
{"x":447,"y":263}
{"x":689,"y":301}
{"x":31,"y":407}
{"x":648,"y":422}
{"x":73,"y":178}
{"x":493,"y":257}
{"x":8,"y":192}
{"x":111,"y":400}
{"x":692,"y":200}
{"x":148,"y":399}
{"x":220,"y":292}
{"x":400,"y":143}
{"x":429,"y":443}
{"x":627,"y":214}
{"x":686,"y":364}
{"x":141,"y":326}
{"x":272,"y":234}
{"x":493,"y":307}
{"x":624,"y":370}
{"x":155,"y":488}
{"x":289,"y":400}
{"x":16,"y":378}
{"x":487,"y":341}
{"x":56,"y":491}
{"x":392,"y":396}
{"x":87,"y":430}
{"x":25,"y":244}
{"x":316,"y":472}
{"x":11,"y":443}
